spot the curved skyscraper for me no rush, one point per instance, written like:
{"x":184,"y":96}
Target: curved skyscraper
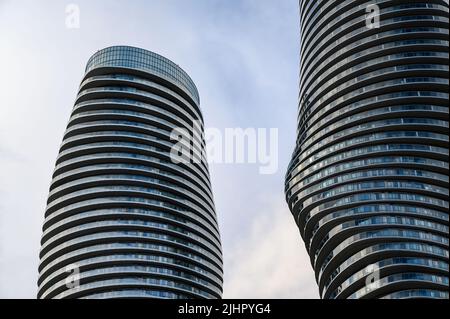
{"x":368,"y":182}
{"x":123,"y":220}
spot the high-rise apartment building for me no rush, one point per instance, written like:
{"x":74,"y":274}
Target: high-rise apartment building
{"x":123,"y":219}
{"x":368,"y":183}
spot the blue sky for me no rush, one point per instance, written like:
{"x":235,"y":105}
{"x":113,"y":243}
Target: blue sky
{"x":243,"y":57}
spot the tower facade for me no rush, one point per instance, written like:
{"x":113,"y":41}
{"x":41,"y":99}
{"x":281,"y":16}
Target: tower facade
{"x":124,"y":220}
{"x":368,"y":181}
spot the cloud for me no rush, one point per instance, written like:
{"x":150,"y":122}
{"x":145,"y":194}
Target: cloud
{"x":21,"y":211}
{"x":269,"y":261}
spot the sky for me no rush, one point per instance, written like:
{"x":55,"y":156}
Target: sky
{"x":243,"y":57}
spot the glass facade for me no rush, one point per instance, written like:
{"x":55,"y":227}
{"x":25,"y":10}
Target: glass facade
{"x":368,"y":181}
{"x":131,"y":222}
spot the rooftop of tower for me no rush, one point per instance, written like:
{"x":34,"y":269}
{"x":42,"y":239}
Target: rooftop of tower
{"x":143,"y":60}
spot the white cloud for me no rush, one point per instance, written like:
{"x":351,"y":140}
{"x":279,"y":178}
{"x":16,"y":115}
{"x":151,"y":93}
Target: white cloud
{"x":269,"y":261}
